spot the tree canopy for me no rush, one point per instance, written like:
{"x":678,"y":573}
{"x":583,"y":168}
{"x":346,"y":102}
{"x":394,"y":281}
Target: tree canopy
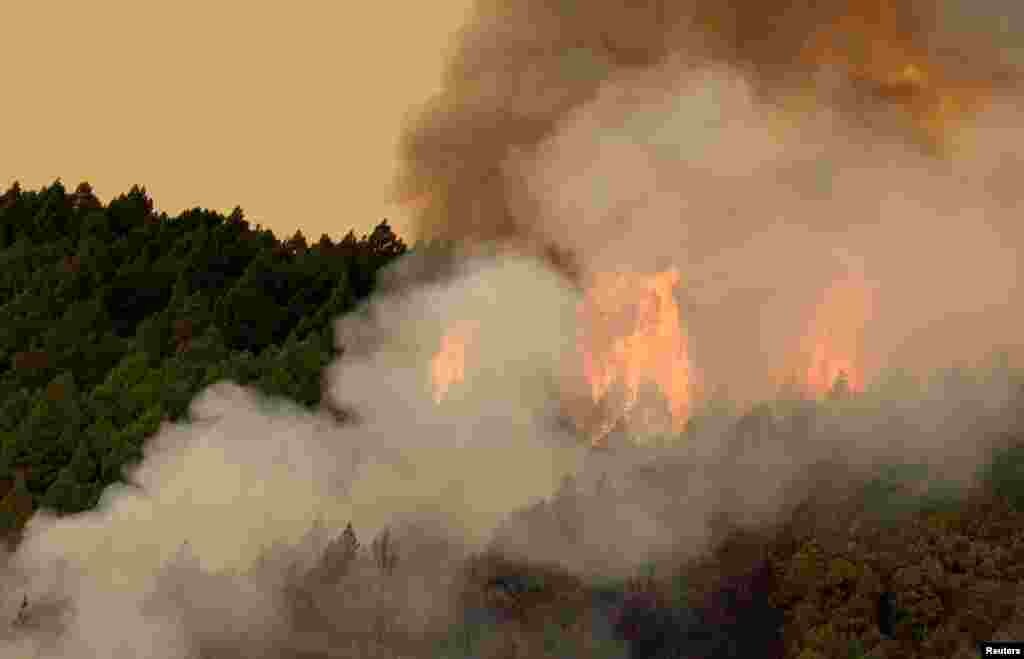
{"x":112,"y":318}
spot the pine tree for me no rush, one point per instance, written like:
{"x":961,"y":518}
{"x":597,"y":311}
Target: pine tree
{"x":349,"y":541}
{"x":296,"y":244}
{"x":83,"y":465}
{"x":62,"y":495}
{"x":71,"y":491}
{"x":13,"y":194}
{"x":84,"y":199}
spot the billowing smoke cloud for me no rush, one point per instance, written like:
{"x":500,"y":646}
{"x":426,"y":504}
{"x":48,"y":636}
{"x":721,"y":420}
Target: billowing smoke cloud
{"x":493,"y":445}
{"x":200,"y":555}
{"x":522,"y":68}
{"x":228,"y":510}
{"x":196,"y":550}
{"x":639,"y":137}
{"x":767,"y":163}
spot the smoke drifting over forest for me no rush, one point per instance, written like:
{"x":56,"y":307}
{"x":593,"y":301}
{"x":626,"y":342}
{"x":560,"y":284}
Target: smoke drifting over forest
{"x":789,"y":188}
{"x":221,"y":517}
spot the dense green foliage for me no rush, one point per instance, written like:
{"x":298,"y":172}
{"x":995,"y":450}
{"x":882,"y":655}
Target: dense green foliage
{"x":113,"y":317}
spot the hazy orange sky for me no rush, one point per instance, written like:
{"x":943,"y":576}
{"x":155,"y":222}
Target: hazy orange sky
{"x":290,"y":110}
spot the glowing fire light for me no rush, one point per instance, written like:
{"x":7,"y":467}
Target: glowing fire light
{"x":448,"y":366}
{"x":870,"y":45}
{"x":826,"y":370}
{"x":631,"y":333}
{"x":832,"y":344}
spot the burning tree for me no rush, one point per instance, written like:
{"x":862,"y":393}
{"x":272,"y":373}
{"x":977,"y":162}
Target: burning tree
{"x":833,"y":340}
{"x":632,"y":358}
{"x":631,"y":334}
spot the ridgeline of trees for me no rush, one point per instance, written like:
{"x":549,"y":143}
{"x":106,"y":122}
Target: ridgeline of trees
{"x":113,"y":317}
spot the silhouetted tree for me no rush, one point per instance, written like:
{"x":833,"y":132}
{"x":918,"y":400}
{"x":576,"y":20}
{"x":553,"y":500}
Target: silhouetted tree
{"x":339,"y":555}
{"x":296,"y":244}
{"x":11,"y":195}
{"x":83,"y":198}
{"x":385,"y":553}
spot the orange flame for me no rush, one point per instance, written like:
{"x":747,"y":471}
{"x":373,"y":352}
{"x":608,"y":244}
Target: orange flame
{"x":827,"y":369}
{"x":448,"y":366}
{"x":833,"y":343}
{"x":631,"y":333}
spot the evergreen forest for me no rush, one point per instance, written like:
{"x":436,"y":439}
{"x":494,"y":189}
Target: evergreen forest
{"x":113,"y":317}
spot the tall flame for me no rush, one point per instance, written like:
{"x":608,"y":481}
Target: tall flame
{"x":828,"y":367}
{"x":632,"y":333}
{"x":832,"y":344}
{"x":448,"y":366}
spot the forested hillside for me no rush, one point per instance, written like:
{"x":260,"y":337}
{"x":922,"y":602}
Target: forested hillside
{"x":113,"y":317}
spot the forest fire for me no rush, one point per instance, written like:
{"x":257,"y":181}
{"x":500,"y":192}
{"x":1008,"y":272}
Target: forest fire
{"x":633,"y":358}
{"x":631,"y":332}
{"x":632,"y":339}
{"x":831,"y":372}
{"x":832,"y":345}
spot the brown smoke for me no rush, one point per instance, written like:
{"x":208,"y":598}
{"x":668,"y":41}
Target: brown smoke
{"x":768,"y":149}
{"x":830,"y":179}
{"x":523,"y":67}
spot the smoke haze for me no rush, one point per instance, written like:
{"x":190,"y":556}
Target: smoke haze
{"x":766,"y":164}
{"x":635,"y":137}
{"x":227,"y":511}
